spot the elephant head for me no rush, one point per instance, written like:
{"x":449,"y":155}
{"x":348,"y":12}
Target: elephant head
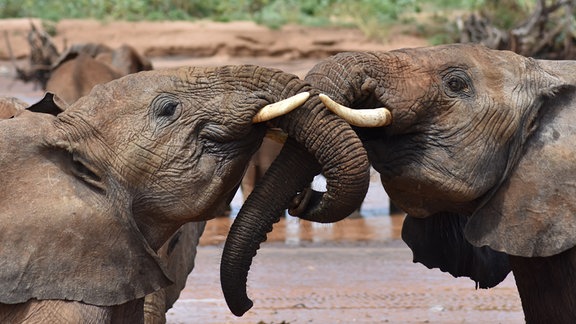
{"x":102,"y":185}
{"x":480,"y":149}
{"x":124,"y":59}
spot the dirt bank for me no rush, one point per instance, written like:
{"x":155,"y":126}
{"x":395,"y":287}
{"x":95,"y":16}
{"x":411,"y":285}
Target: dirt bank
{"x":204,"y":38}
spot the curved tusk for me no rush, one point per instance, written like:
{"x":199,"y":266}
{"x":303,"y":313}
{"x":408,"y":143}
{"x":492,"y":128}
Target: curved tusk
{"x":280,"y":108}
{"x":376,"y":117}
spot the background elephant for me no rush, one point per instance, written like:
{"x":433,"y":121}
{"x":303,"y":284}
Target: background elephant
{"x":9,"y":107}
{"x":105,"y":183}
{"x":178,"y":254}
{"x":73,"y":73}
{"x":259,"y":163}
{"x":83,"y":66}
{"x":480,"y":154}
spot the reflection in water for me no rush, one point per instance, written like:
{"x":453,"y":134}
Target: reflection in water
{"x":294,"y":231}
{"x":374,"y":224}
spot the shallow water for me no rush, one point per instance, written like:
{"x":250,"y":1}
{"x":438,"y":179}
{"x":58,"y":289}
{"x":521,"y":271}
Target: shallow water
{"x":370,"y":224}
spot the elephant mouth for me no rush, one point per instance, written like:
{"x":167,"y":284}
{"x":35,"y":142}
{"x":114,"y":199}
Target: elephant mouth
{"x":87,"y":174}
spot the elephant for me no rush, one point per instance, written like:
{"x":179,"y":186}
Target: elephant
{"x":73,"y":73}
{"x":480,"y":155}
{"x":90,"y":194}
{"x":260,"y":162}
{"x":83,"y":66}
{"x":10,"y":107}
{"x":178,"y":253}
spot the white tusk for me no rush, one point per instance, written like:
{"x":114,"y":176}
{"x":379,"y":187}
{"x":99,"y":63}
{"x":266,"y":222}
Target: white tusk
{"x":376,"y":117}
{"x":280,"y":108}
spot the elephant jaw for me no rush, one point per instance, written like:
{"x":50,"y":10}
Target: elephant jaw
{"x":423,"y":200}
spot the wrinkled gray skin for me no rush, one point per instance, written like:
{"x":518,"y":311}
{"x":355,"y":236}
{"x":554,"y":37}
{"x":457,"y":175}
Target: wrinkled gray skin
{"x":480,"y":154}
{"x":105,"y":183}
{"x":83,"y":66}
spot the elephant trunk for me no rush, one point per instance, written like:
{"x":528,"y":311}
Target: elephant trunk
{"x":337,"y":149}
{"x":318,"y":140}
{"x":255,"y":220}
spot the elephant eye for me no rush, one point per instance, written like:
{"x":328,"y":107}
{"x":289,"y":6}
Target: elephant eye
{"x":166,"y":107}
{"x":458,"y":84}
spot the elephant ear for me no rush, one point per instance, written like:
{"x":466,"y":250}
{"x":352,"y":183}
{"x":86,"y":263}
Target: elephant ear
{"x":50,"y":104}
{"x":533,"y":213}
{"x":59,"y":239}
{"x":438,"y":242}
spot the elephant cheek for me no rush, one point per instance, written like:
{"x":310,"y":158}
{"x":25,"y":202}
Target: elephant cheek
{"x":416,"y":199}
{"x":413,"y":205}
{"x":220,"y":180}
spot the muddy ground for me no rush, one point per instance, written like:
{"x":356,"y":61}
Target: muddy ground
{"x":355,"y":271}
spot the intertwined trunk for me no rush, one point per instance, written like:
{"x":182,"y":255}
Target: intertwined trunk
{"x":319,"y":141}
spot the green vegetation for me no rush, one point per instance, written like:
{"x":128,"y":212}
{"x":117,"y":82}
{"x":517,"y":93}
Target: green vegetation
{"x":373,"y":17}
{"x":273,"y":12}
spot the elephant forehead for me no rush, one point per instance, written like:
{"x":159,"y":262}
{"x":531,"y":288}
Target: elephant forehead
{"x":458,"y":53}
{"x":486,"y":64}
{"x":136,"y":91}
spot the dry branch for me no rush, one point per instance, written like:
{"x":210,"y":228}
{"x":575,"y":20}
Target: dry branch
{"x":549,"y":32}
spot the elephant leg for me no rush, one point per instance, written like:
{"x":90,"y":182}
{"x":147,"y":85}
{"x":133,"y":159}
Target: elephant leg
{"x":249,"y":179}
{"x":547,"y":287}
{"x":260,"y":162}
{"x":178,"y":253}
{"x":62,"y":311}
{"x":155,"y":307}
{"x":130,"y":312}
